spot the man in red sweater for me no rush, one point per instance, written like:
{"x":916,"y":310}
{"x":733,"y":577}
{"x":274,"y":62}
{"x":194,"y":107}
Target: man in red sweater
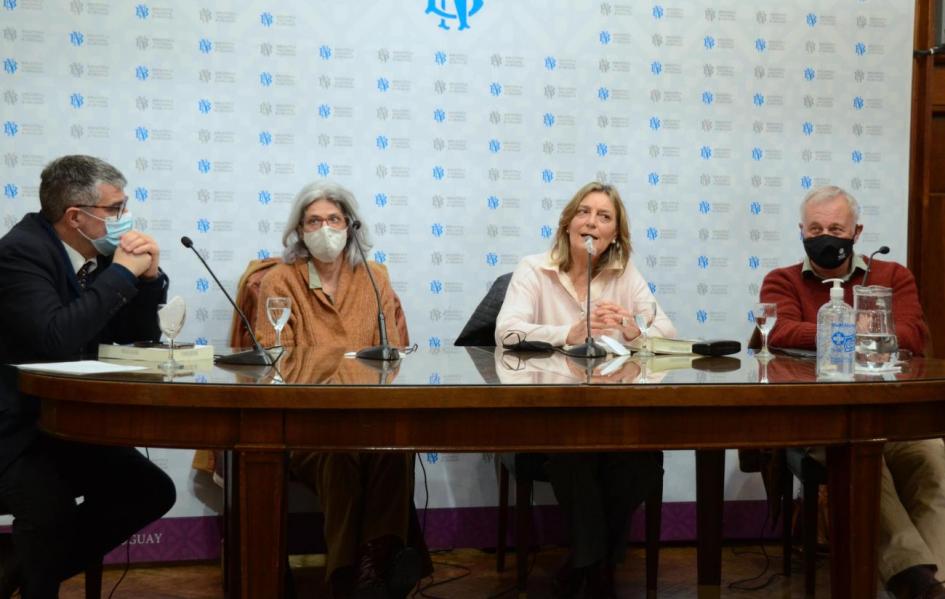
{"x":912,"y":504}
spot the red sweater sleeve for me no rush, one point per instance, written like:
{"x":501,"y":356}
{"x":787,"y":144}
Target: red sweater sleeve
{"x":790,"y":330}
{"x":907,"y":311}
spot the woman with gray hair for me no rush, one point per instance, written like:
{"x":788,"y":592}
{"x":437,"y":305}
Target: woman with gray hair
{"x":366,"y":497}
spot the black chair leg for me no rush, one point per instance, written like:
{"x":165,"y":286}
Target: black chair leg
{"x":523,"y":530}
{"x":787,"y":513}
{"x":810,"y":536}
{"x":93,"y":581}
{"x":654,"y":519}
{"x":503,"y":518}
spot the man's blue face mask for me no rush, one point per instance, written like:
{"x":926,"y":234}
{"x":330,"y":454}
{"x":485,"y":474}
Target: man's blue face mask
{"x":115,"y":227}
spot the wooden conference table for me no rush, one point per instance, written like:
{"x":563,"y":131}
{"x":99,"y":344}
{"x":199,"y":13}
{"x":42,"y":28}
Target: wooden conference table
{"x":460,"y":399}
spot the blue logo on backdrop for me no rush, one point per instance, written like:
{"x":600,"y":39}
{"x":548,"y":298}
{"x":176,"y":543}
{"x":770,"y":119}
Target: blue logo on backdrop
{"x":492,"y":259}
{"x":323,"y":169}
{"x":201,"y":341}
{"x":652,"y":233}
{"x":265,"y":79}
{"x":380,"y":257}
{"x":439,"y":115}
{"x":141,"y":133}
{"x":757,"y":154}
{"x":439,"y":57}
{"x":203,"y":225}
{"x":9,"y":65}
{"x":702,"y":316}
{"x":705,"y":152}
{"x":495,"y":88}
{"x":142,"y":11}
{"x":266,"y":19}
{"x":265,"y":138}
{"x":807,"y":128}
{"x":604,"y":37}
{"x":551,"y":63}
{"x":811,"y":19}
{"x":857,"y":156}
{"x":204,"y":106}
{"x":656,"y":68}
{"x":205,"y":46}
{"x":858,"y":103}
{"x":860,"y":48}
{"x":438,"y":173}
{"x":705,"y":207}
{"x":492,"y":202}
{"x":602,"y":149}
{"x":603,"y":94}
{"x":262,"y":254}
{"x":76,"y":100}
{"x":382,"y":142}
{"x":436,"y":229}
{"x":758,"y":100}
{"x":548,"y":119}
{"x":755,"y":208}
{"x":264,"y":197}
{"x":653,"y":179}
{"x":708,"y":42}
{"x":547,"y":175}
{"x":652,"y":287}
{"x":655,"y":123}
{"x":753,"y":262}
{"x":9,"y":4}
{"x":76,"y":38}
{"x":658,"y":12}
{"x":382,"y":84}
{"x":202,"y":285}
{"x":703,"y":262}
{"x":324,"y":111}
{"x":433,"y":458}
{"x":10,"y":190}
{"x":806,"y":182}
{"x":10,"y":129}
{"x":141,"y":194}
{"x":708,"y":97}
{"x":810,"y":74}
{"x":325,"y":52}
{"x":761,"y":45}
{"x":142,"y":73}
{"x":461,"y":11}
{"x":203,"y":165}
{"x":380,"y":199}
{"x":436,"y":287}
{"x":545,"y":231}
{"x":751,"y":316}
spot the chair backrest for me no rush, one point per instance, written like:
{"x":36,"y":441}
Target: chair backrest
{"x":480,"y":328}
{"x":247,"y":298}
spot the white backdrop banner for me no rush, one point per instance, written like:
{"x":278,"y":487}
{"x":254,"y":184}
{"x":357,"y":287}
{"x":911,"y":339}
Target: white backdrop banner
{"x":463,"y":127}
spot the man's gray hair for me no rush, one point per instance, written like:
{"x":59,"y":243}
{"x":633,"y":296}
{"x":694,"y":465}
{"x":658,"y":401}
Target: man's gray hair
{"x":295,"y":249}
{"x":74,"y":180}
{"x":827,"y":193}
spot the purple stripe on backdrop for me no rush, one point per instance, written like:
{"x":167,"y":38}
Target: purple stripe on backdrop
{"x":198,"y":538}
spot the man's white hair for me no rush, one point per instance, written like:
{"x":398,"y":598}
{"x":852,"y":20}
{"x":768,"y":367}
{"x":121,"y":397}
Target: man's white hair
{"x":827,"y":193}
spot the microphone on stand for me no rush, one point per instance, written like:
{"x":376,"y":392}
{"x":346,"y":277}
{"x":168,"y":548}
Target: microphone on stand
{"x":882,"y":250}
{"x":257,"y":356}
{"x":588,"y":349}
{"x":383,"y":351}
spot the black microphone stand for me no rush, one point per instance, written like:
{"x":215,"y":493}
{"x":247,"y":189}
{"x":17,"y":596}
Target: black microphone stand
{"x":589,"y":349}
{"x":257,"y":356}
{"x":869,"y":267}
{"x":384,"y":351}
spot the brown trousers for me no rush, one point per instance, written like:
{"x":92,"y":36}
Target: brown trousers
{"x":364,"y":496}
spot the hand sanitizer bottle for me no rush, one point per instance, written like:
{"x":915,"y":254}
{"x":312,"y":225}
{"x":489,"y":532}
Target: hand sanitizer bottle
{"x":836,"y":336}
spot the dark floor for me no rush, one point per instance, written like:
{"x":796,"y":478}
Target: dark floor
{"x":473,"y":576}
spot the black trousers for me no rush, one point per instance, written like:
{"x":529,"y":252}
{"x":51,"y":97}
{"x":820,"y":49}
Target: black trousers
{"x":56,"y":537}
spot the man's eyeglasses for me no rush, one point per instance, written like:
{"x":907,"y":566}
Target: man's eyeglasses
{"x":334,"y":221}
{"x":115,"y":210}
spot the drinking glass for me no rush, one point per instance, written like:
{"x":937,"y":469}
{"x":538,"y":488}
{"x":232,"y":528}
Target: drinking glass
{"x":278,"y":309}
{"x":765,"y":315}
{"x":643,"y":315}
{"x":171,"y":318}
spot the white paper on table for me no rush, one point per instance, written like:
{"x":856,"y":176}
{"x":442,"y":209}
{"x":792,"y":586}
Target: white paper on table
{"x":79,"y":367}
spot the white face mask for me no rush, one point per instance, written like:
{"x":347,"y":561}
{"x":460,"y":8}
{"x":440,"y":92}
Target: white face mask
{"x":326,"y":244}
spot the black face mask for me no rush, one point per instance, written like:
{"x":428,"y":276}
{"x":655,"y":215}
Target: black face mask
{"x":827,"y":251}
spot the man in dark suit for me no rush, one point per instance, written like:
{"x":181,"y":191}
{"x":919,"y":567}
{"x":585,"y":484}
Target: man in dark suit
{"x":73,"y":275}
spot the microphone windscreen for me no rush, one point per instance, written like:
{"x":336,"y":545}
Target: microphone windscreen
{"x":356,"y":224}
{"x":589,"y":245}
{"x":883,"y":250}
{"x":186,"y":241}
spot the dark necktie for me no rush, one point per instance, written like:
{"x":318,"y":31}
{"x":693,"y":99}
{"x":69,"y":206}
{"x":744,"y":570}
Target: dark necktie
{"x":83,"y":274}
